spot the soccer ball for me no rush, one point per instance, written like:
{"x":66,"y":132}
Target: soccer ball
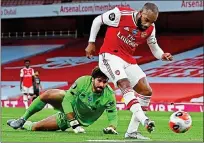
{"x":180,"y":122}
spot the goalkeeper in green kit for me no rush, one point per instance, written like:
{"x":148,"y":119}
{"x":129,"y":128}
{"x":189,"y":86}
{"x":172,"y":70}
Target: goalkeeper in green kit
{"x":78,"y":107}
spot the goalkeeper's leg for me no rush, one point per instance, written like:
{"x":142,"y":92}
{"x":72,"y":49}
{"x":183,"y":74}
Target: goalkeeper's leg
{"x":53,"y":97}
{"x":51,"y":123}
{"x":48,"y":124}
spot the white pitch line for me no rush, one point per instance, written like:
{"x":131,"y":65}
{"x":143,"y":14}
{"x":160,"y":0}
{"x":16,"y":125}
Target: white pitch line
{"x":7,"y":117}
{"x":159,"y":119}
{"x":133,"y":140}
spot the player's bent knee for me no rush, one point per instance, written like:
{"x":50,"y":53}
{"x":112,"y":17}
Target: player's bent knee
{"x":123,"y":83}
{"x":45,"y":95}
{"x":51,"y":94}
{"x":147,"y":92}
{"x":62,"y":92}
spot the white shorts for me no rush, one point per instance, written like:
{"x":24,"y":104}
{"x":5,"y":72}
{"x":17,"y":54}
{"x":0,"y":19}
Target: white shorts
{"x":116,"y":69}
{"x":26,"y":90}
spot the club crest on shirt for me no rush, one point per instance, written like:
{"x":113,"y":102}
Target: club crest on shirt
{"x":117,"y":72}
{"x":144,"y":34}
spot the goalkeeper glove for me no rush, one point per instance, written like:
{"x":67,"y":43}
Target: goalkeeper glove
{"x":76,"y":127}
{"x":109,"y":130}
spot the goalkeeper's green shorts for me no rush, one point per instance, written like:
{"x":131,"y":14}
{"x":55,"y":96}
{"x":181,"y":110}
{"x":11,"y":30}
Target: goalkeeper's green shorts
{"x":62,"y":121}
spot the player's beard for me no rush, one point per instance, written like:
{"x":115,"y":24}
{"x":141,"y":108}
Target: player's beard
{"x":139,"y":24}
{"x":97,"y":89}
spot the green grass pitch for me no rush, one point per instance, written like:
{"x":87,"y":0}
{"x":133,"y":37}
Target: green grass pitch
{"x":94,"y":132}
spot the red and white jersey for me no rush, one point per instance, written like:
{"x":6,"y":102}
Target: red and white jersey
{"x":122,"y":35}
{"x":27,"y":74}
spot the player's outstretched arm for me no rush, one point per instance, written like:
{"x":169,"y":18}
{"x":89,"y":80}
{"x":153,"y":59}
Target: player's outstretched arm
{"x":156,"y":50}
{"x":110,"y":18}
{"x":90,"y":49}
{"x":69,"y":113}
{"x":167,"y":57}
{"x":112,"y":116}
{"x":21,"y":78}
{"x":96,"y":25}
{"x":69,"y":100}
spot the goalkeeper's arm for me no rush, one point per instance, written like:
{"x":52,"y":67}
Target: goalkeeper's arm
{"x":112,"y":116}
{"x":67,"y":103}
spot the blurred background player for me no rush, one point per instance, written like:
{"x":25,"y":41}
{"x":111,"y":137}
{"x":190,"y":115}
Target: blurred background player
{"x":126,"y":30}
{"x":81,"y":105}
{"x":26,"y":82}
{"x":37,"y":85}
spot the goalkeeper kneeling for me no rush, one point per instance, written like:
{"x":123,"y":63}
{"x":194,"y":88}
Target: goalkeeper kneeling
{"x":78,"y":107}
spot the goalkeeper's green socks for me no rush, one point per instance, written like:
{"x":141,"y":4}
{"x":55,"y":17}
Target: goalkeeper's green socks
{"x":36,"y":106}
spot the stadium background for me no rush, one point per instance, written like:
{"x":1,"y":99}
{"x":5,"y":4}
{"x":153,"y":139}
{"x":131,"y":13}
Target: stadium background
{"x":54,"y":41}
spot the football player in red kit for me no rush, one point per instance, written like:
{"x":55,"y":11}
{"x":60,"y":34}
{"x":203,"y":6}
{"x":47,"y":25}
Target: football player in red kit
{"x":126,"y":30}
{"x":26,"y":82}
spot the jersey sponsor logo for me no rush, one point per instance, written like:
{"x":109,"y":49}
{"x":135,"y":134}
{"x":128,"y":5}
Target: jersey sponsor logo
{"x":129,"y":40}
{"x":112,"y":16}
{"x":27,"y":75}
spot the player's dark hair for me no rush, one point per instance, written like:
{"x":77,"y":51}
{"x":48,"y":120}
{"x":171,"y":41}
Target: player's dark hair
{"x":152,"y":7}
{"x":26,"y":61}
{"x":97,"y":73}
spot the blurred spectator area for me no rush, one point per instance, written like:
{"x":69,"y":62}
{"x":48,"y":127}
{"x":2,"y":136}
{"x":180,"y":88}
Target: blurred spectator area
{"x":27,"y":2}
{"x":39,"y":2}
{"x":39,"y":27}
{"x":168,"y":22}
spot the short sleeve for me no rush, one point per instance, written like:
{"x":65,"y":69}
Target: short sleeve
{"x":111,"y":17}
{"x":32,"y":72}
{"x":77,"y":85}
{"x":21,"y":73}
